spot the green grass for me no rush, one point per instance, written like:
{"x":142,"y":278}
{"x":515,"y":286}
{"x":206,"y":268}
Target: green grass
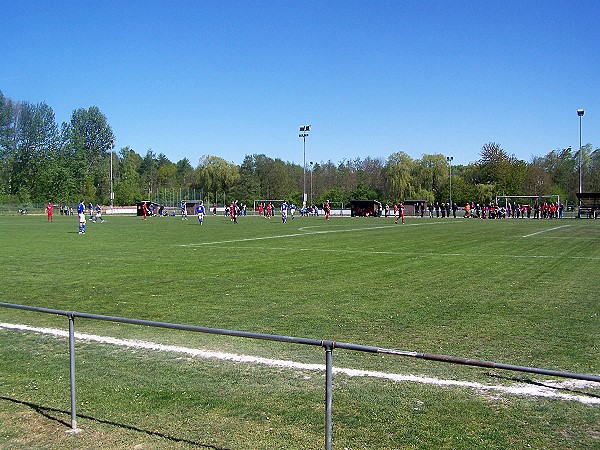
{"x":515,"y":291}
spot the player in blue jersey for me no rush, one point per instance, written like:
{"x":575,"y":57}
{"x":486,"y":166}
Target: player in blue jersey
{"x":200,"y":212}
{"x":284,"y":212}
{"x":183,"y":210}
{"x":81,"y":216}
{"x":98,"y":214}
{"x":292,"y":209}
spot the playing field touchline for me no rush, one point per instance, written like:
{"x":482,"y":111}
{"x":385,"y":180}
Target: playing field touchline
{"x":548,"y":389}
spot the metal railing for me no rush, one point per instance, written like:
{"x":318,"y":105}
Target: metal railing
{"x":328,"y":345}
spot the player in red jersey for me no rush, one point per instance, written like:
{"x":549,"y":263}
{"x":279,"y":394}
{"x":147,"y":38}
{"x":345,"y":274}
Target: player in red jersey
{"x":401,"y":213}
{"x":327,"y":210}
{"x":144,"y":210}
{"x":49,"y":207}
{"x":233,"y":212}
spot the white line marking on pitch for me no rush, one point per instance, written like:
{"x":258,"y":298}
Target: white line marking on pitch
{"x":548,"y":390}
{"x":410,"y":254}
{"x":545,"y":231}
{"x":309,"y":233}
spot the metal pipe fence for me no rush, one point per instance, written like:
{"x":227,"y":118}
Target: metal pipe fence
{"x":327,"y":345}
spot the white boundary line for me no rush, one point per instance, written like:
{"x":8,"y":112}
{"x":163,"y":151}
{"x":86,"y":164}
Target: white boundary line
{"x":550,"y":389}
{"x":309,"y":233}
{"x":545,"y":231}
{"x":411,"y":254}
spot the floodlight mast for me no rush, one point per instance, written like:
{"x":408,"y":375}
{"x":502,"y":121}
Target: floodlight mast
{"x":112,"y":194}
{"x":311,"y":183}
{"x":580,"y":113}
{"x":449,"y":159}
{"x":304,"y":130}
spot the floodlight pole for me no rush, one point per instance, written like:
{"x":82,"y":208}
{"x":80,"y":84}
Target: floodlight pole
{"x":112,"y":194}
{"x":580,"y":113}
{"x":311,"y":190}
{"x":304,"y":134}
{"x":449,"y":159}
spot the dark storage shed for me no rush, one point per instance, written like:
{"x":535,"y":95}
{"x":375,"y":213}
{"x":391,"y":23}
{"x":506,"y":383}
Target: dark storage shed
{"x":365,"y":208}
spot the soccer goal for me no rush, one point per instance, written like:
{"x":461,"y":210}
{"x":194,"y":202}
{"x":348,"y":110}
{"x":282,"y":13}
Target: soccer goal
{"x":526,"y":199}
{"x":524,"y":205}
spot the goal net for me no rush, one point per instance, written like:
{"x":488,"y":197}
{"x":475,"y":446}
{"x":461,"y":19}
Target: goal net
{"x":504,"y":200}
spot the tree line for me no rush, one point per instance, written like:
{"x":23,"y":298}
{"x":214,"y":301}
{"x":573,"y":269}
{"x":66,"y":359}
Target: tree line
{"x":42,"y":161}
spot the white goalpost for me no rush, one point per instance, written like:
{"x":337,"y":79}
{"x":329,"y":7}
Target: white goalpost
{"x":524,"y":197}
{"x":529,"y":203}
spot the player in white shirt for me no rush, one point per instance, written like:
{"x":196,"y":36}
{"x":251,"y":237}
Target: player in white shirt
{"x":200,"y":212}
{"x":284,"y":212}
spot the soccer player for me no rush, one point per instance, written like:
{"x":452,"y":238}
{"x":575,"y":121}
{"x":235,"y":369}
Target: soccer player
{"x":49,"y":207}
{"x":183,"y":210}
{"x":401,"y":213}
{"x":200,"y":212}
{"x":292,"y":209}
{"x":284,"y":208}
{"x":91,"y":208}
{"x":81,"y":216}
{"x":98,"y":214}
{"x":327,"y":210}
{"x":144,"y":210}
{"x":233,"y":211}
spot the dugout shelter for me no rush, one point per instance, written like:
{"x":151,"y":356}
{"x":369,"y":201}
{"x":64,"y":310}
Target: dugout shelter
{"x":365,"y":208}
{"x":416,"y":205}
{"x":589,"y":205}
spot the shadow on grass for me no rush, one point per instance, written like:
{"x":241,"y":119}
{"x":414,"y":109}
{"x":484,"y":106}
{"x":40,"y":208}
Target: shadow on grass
{"x":539,"y":383}
{"x":47,"y":412}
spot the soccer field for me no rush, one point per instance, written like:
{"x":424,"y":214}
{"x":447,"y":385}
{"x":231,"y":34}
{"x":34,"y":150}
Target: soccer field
{"x":521,"y":292}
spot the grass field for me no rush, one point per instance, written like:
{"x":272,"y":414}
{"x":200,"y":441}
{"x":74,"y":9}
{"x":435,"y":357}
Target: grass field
{"x":521,"y":292}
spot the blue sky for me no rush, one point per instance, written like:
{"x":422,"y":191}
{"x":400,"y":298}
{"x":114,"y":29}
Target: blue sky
{"x":231,"y":78}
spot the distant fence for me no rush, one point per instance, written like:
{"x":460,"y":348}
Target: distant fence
{"x":328,"y":345}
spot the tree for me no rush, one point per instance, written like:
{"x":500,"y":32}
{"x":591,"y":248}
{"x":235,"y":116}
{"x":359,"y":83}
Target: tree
{"x":249,"y":183}
{"x":432,"y":174}
{"x":90,"y":139}
{"x":593,"y":184}
{"x":8,"y":124}
{"x":149,"y":172}
{"x":184,"y":173}
{"x":505,"y":171}
{"x":36,"y":152}
{"x":214,"y":174}
{"x":399,"y":174}
{"x":537,"y":180}
{"x":127,"y":189}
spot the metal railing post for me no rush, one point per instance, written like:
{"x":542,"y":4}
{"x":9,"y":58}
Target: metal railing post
{"x":72,"y":370}
{"x":328,"y":392}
